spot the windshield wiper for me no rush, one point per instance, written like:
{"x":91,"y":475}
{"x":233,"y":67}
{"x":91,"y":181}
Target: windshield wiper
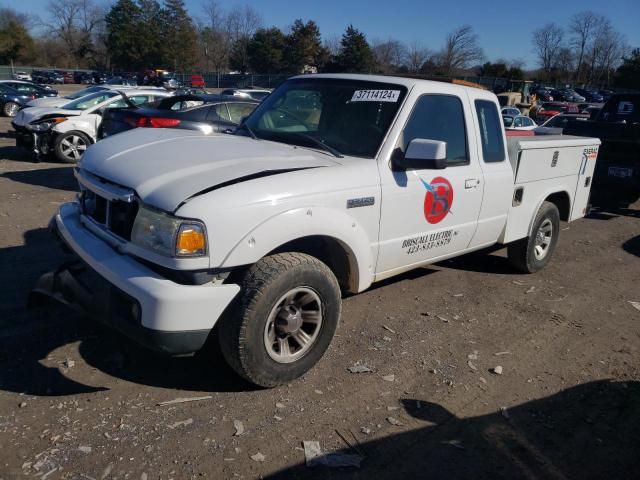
{"x":320,"y":144}
{"x":246,"y":127}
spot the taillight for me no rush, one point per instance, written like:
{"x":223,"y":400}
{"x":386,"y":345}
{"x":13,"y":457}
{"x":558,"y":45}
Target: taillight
{"x":157,"y":122}
{"x":151,"y":122}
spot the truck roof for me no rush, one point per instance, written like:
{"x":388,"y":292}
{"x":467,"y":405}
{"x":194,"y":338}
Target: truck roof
{"x":404,"y":81}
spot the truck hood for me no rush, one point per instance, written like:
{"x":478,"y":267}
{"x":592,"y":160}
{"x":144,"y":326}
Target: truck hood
{"x":28,"y":115}
{"x":168,"y":166}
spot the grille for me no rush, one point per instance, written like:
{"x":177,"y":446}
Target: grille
{"x":115,"y":216}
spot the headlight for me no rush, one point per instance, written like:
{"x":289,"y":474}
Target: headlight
{"x":168,"y":235}
{"x":45,"y":125}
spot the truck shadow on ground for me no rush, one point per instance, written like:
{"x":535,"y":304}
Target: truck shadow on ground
{"x":29,"y":337}
{"x":57,"y":178}
{"x":632,"y":246}
{"x":590,"y":431}
{"x":31,"y":365}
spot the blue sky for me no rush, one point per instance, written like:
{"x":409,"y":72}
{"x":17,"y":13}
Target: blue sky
{"x":504,"y":27}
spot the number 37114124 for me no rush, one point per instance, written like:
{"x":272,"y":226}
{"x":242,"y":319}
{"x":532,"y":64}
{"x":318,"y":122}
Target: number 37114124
{"x":375,"y":96}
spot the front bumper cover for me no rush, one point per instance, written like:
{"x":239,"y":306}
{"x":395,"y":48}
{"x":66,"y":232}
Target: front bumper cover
{"x":123,"y":293}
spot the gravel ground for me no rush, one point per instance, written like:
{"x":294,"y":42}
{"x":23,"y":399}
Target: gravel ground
{"x":78,"y":401}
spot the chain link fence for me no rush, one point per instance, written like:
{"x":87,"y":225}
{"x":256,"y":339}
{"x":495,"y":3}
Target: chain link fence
{"x":238,"y":80}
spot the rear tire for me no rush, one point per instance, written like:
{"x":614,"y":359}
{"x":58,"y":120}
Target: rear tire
{"x":534,"y":252}
{"x":282,"y":321}
{"x":69,"y":147}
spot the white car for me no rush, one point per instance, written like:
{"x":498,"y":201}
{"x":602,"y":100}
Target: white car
{"x":69,"y":130}
{"x":59,"y":101}
{"x":253,"y":93}
{"x":510,"y":111}
{"x":332,"y":183}
{"x":22,"y":76}
{"x":518,"y":122}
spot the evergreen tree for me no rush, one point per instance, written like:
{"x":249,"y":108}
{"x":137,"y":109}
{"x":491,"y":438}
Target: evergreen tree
{"x":304,"y":46}
{"x":151,"y":44}
{"x":239,"y":57}
{"x":15,"y":42}
{"x":628,"y":74}
{"x":123,"y":40}
{"x":355,"y":54}
{"x":179,"y":36}
{"x":266,"y":50}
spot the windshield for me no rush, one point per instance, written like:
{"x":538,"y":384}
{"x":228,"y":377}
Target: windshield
{"x":89,"y":101}
{"x":350,"y":116}
{"x":83,"y":92}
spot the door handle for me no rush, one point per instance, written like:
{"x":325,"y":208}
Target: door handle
{"x":471,"y":183}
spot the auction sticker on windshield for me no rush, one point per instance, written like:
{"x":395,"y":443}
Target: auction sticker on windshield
{"x":375,"y":96}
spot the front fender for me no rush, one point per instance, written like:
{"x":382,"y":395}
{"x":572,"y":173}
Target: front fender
{"x":308,"y":221}
{"x":76,"y":125}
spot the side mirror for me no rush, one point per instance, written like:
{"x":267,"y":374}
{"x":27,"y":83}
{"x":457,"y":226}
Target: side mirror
{"x":423,"y":154}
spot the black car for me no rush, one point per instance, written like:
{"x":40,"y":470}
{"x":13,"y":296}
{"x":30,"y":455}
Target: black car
{"x":617,"y":125}
{"x":99,"y":77}
{"x":590,"y":95}
{"x":206,"y":113}
{"x":84,"y":78}
{"x":11,"y":100}
{"x":30,"y":88}
{"x":122,"y":80}
{"x":46,"y":77}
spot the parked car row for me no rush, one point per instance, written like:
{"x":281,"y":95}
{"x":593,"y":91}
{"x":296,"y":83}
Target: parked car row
{"x":66,"y":126}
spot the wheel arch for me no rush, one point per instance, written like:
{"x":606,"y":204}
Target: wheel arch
{"x":562,"y":200}
{"x":337,"y":255}
{"x":333,"y":237}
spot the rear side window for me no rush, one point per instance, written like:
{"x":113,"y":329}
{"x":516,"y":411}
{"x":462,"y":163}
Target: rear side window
{"x":490,"y":131}
{"x":237,"y":111}
{"x":439,"y":117}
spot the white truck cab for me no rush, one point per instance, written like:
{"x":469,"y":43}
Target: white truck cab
{"x":334,"y":182}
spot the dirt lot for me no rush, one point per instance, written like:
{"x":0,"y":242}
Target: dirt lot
{"x":78,"y":401}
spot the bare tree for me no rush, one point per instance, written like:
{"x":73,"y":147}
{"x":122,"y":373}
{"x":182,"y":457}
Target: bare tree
{"x":416,"y":56}
{"x":75,"y":22}
{"x":242,"y":22}
{"x":605,"y":54}
{"x":213,"y":37}
{"x":390,"y":54}
{"x":583,"y":27}
{"x":332,"y":45}
{"x":460,"y":50}
{"x":547,"y":42}
{"x":214,"y":16}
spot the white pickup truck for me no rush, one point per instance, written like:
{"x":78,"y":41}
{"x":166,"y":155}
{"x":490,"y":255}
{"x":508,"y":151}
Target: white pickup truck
{"x":334,"y":182}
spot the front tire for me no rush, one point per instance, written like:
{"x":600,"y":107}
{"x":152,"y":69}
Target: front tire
{"x":534,"y":252}
{"x":69,"y":147}
{"x":283,"y":320}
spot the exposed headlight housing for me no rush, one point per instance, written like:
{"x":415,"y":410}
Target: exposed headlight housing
{"x":45,"y":125}
{"x":168,"y":235}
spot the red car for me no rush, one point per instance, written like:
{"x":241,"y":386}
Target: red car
{"x":551,"y":109}
{"x":197,"y":81}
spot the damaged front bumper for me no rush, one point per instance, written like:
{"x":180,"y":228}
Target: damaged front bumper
{"x":121,"y":292}
{"x":38,"y":143}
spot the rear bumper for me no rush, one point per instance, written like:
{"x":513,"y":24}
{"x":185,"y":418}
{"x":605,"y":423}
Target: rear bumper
{"x":123,"y":293}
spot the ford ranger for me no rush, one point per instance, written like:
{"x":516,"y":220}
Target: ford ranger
{"x":334,"y":182}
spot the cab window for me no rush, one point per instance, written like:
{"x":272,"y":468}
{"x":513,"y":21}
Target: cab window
{"x":490,"y":131}
{"x":439,"y":117}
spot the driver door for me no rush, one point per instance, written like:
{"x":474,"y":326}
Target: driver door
{"x":426,"y":213}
